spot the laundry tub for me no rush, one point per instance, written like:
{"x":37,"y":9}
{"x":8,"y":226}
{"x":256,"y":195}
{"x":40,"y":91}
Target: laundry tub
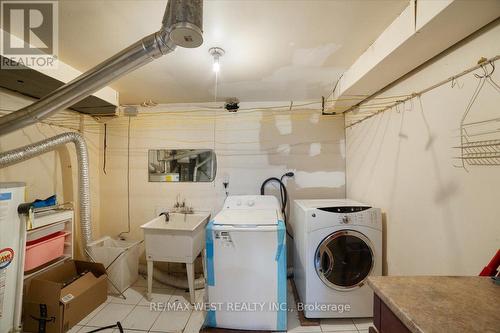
{"x":121,"y":259}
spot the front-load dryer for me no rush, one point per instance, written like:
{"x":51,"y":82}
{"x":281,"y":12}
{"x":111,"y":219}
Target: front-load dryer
{"x":337,"y":245}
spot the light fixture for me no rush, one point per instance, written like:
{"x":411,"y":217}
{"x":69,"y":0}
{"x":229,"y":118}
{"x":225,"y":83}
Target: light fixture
{"x":216,"y":52}
{"x":216,"y":65}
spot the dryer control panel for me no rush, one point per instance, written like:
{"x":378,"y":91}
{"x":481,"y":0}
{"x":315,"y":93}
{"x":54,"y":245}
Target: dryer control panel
{"x":346,"y":215}
{"x":344,"y":209}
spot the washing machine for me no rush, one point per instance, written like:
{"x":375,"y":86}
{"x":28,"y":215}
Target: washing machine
{"x":337,"y":245}
{"x":246,"y":265}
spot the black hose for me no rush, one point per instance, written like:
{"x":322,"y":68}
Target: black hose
{"x":283,"y":195}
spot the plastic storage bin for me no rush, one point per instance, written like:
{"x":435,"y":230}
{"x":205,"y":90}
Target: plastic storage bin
{"x":43,"y":250}
{"x":121,"y":259}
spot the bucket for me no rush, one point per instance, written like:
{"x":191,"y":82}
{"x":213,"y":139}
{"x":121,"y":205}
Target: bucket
{"x":121,"y":259}
{"x":42,"y":250}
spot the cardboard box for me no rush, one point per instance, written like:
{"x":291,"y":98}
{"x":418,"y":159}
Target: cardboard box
{"x":64,"y":295}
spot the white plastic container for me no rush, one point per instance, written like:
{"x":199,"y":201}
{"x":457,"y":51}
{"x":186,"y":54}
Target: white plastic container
{"x":11,"y":256}
{"x":121,"y":259}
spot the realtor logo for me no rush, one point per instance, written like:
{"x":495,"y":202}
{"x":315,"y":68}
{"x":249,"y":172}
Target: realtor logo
{"x":29,"y":35}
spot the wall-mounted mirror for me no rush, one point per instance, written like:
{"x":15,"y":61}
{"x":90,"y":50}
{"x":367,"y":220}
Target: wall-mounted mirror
{"x":181,"y":165}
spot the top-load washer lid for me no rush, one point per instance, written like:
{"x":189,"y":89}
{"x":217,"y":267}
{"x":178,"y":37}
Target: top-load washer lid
{"x":246,"y":217}
{"x":246,"y":202}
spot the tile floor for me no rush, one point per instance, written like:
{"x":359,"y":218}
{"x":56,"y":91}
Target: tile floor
{"x":136,"y":317}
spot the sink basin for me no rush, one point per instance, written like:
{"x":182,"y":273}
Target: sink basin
{"x":181,"y":239}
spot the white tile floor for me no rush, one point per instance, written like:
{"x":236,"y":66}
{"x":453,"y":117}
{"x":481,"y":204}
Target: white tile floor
{"x":135,"y":315}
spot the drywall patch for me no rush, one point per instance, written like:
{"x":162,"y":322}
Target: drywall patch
{"x":314,"y":149}
{"x":283,"y":149}
{"x":342,"y":148}
{"x":283,"y":124}
{"x":314,"y":57}
{"x":305,"y":78}
{"x":314,"y":118}
{"x":333,"y":179}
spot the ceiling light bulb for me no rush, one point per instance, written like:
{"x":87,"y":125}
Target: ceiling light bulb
{"x":216,"y":53}
{"x":216,"y":66}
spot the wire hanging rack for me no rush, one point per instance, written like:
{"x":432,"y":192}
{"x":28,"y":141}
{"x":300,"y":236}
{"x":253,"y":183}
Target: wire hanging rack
{"x":480,"y":140}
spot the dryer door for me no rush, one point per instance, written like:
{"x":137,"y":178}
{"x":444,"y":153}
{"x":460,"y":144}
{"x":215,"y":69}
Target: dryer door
{"x":344,"y":259}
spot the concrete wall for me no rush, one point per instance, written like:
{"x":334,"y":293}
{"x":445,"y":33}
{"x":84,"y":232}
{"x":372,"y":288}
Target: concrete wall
{"x":439,"y":218}
{"x":54,"y":172}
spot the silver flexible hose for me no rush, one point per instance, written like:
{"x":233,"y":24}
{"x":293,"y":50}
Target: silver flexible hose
{"x":35,"y":149}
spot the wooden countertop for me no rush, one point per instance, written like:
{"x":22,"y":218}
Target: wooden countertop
{"x":441,"y":303}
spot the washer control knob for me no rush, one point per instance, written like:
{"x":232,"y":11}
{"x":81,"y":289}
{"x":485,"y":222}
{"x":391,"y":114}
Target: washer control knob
{"x":313,"y":215}
{"x":250,"y":203}
{"x":345,"y":219}
{"x":238,"y":203}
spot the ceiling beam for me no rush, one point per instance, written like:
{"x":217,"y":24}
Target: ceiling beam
{"x":65,"y":73}
{"x":422,"y":31}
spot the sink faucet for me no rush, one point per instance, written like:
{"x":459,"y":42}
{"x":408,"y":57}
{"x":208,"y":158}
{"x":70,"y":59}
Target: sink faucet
{"x":181,"y":207}
{"x":167,"y":216}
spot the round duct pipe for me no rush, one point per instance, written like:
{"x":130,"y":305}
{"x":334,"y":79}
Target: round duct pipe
{"x":183,"y":19}
{"x":181,"y":26}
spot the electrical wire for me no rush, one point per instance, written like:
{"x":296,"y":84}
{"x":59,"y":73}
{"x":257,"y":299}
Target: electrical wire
{"x":105,"y":146}
{"x":69,"y":119}
{"x":481,"y":65}
{"x":120,"y":235}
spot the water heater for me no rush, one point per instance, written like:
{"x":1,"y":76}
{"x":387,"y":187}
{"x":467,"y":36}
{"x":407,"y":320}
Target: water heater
{"x":11,"y":196}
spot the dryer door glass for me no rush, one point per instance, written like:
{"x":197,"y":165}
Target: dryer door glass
{"x":344,"y":259}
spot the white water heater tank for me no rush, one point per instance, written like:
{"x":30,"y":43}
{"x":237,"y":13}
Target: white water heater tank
{"x":11,"y":196}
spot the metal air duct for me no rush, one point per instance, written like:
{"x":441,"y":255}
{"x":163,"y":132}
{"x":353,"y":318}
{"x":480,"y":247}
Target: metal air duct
{"x":33,"y":150}
{"x":182,"y":26}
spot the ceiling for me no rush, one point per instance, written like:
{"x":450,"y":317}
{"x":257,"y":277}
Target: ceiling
{"x":275,"y":50}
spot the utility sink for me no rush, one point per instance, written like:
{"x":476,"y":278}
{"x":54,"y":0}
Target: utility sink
{"x":180,"y":239}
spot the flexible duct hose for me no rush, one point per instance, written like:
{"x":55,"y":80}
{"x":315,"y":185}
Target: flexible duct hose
{"x":168,"y":279}
{"x":35,"y":149}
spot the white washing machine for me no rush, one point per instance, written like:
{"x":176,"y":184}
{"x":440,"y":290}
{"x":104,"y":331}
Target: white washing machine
{"x":246,"y":265}
{"x":337,"y":245}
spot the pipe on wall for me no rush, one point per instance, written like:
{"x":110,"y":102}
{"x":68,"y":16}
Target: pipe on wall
{"x":133,"y":57}
{"x":181,"y":26}
{"x":33,"y":150}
